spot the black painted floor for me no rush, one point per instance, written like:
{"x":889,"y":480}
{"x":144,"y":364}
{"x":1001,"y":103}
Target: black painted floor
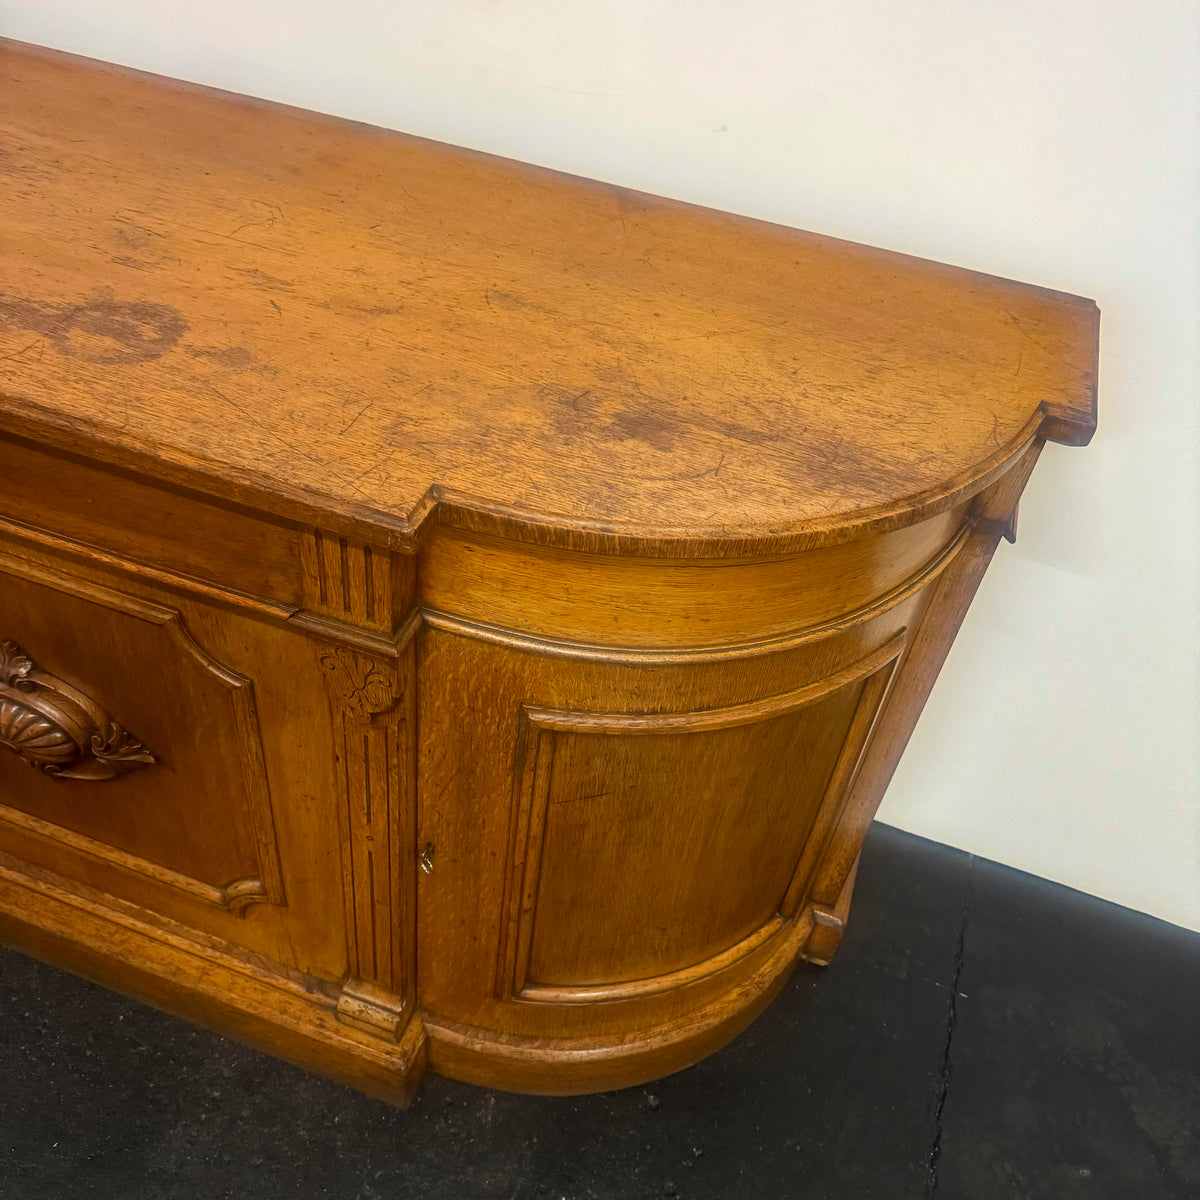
{"x":982,"y":1035}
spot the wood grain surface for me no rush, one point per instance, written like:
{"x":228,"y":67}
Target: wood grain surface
{"x":524,"y":587}
{"x":303,"y":313}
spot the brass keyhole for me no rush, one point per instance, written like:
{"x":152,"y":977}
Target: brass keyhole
{"x":426,"y":859}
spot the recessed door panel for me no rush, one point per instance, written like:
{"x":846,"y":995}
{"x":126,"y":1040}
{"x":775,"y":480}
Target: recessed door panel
{"x":128,"y":745}
{"x":645,"y":846}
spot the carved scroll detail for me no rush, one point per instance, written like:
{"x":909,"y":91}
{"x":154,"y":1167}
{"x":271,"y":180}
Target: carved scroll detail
{"x":57,"y":728}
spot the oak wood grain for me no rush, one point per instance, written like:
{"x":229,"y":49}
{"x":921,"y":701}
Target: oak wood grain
{"x":524,"y":587}
{"x":385,"y":329}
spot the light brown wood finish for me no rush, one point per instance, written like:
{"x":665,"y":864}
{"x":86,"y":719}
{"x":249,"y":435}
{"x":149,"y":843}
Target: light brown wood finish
{"x":547,"y":352}
{"x":523,"y":587}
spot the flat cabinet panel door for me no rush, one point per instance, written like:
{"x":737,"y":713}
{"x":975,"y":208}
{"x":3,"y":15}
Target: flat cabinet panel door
{"x":128,"y":755}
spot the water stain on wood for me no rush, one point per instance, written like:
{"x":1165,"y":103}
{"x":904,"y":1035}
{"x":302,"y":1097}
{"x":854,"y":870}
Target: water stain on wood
{"x":99,"y":330}
{"x":659,"y":430}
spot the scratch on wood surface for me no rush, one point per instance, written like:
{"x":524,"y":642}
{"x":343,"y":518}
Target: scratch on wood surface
{"x":445,"y":787}
{"x":24,"y":349}
{"x":581,"y":799}
{"x":228,"y":237}
{"x":273,"y":217}
{"x":375,"y":466}
{"x":136,"y":237}
{"x":226,"y":356}
{"x":260,"y":279}
{"x":354,"y":422}
{"x":268,"y":429}
{"x":1020,"y":328}
{"x":713,"y":471}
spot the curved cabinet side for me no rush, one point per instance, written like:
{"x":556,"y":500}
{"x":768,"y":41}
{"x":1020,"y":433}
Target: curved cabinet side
{"x":630,"y":837}
{"x":509,"y":591}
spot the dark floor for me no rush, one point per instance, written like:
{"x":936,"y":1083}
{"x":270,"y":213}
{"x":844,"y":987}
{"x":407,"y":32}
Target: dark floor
{"x":982,"y":1034}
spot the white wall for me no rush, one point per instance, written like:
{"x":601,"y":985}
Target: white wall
{"x":1053,"y":141}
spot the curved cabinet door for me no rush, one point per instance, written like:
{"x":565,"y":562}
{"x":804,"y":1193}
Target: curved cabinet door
{"x":649,"y":850}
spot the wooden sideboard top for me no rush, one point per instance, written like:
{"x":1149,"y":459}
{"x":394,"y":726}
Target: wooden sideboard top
{"x":329,"y":321}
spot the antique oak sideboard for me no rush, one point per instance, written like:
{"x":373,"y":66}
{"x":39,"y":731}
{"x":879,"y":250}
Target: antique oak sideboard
{"x":456,"y":614}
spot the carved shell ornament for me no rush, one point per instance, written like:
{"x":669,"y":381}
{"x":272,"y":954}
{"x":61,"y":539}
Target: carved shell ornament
{"x":55,"y":727}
